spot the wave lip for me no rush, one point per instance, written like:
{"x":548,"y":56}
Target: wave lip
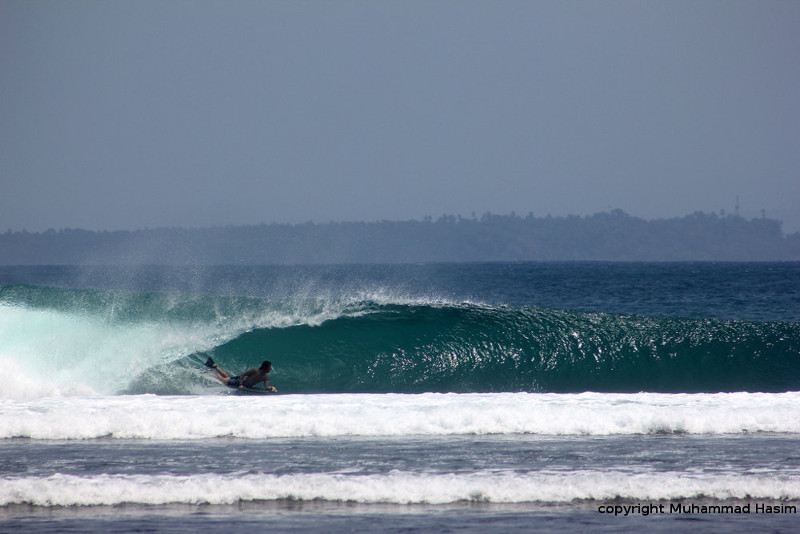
{"x":430,"y":414}
{"x":392,"y":488}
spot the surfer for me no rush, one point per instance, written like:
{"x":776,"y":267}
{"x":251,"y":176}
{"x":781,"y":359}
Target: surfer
{"x":248,"y":379}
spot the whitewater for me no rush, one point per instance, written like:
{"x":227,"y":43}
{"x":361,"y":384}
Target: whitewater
{"x":483,"y":397}
{"x":430,"y":414}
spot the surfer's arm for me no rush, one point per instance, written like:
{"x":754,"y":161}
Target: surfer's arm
{"x":268,"y":387}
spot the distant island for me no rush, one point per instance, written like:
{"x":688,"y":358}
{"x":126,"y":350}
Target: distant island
{"x":609,"y":236}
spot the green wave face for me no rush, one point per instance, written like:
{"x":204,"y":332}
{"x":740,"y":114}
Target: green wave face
{"x":154,"y":343}
{"x":415,"y":348}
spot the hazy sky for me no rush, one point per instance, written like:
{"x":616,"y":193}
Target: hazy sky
{"x":133,"y":114}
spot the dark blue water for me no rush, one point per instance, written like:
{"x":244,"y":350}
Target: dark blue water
{"x":740,"y":291}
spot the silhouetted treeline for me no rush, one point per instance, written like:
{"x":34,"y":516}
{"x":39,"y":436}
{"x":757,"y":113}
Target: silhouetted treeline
{"x":613,"y":236}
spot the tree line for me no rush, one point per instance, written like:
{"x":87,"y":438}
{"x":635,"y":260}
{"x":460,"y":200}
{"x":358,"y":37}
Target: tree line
{"x":608,"y":236}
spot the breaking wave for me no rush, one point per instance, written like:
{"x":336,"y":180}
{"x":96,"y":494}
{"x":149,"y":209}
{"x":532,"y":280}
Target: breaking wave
{"x":63,"y":342}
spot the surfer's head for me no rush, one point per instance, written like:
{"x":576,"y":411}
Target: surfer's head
{"x":266,"y":366}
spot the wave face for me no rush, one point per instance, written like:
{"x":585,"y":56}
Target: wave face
{"x":468,"y":348}
{"x":65,"y":341}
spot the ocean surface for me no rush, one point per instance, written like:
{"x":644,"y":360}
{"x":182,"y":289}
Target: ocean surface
{"x":415,"y":398}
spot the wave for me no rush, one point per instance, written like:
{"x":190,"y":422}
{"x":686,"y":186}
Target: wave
{"x":431,"y":414}
{"x":469,"y":348}
{"x":63,"y":341}
{"x":395,"y":488}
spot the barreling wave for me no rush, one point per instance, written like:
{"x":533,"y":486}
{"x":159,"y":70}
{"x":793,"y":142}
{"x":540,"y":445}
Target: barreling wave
{"x":152,"y":343}
{"x":469,"y":348}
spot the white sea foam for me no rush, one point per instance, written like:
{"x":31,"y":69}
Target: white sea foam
{"x":200,"y":417}
{"x":49,"y":353}
{"x":46,"y":353}
{"x":394,"y":487}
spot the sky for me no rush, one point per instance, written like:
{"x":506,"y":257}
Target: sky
{"x":148,"y":114}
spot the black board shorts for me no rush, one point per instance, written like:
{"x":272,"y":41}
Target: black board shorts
{"x":234,"y":382}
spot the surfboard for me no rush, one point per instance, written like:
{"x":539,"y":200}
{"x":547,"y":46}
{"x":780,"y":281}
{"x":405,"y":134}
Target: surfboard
{"x":248,"y":391}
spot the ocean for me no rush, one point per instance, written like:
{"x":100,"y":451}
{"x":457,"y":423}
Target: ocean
{"x":500,"y":397}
